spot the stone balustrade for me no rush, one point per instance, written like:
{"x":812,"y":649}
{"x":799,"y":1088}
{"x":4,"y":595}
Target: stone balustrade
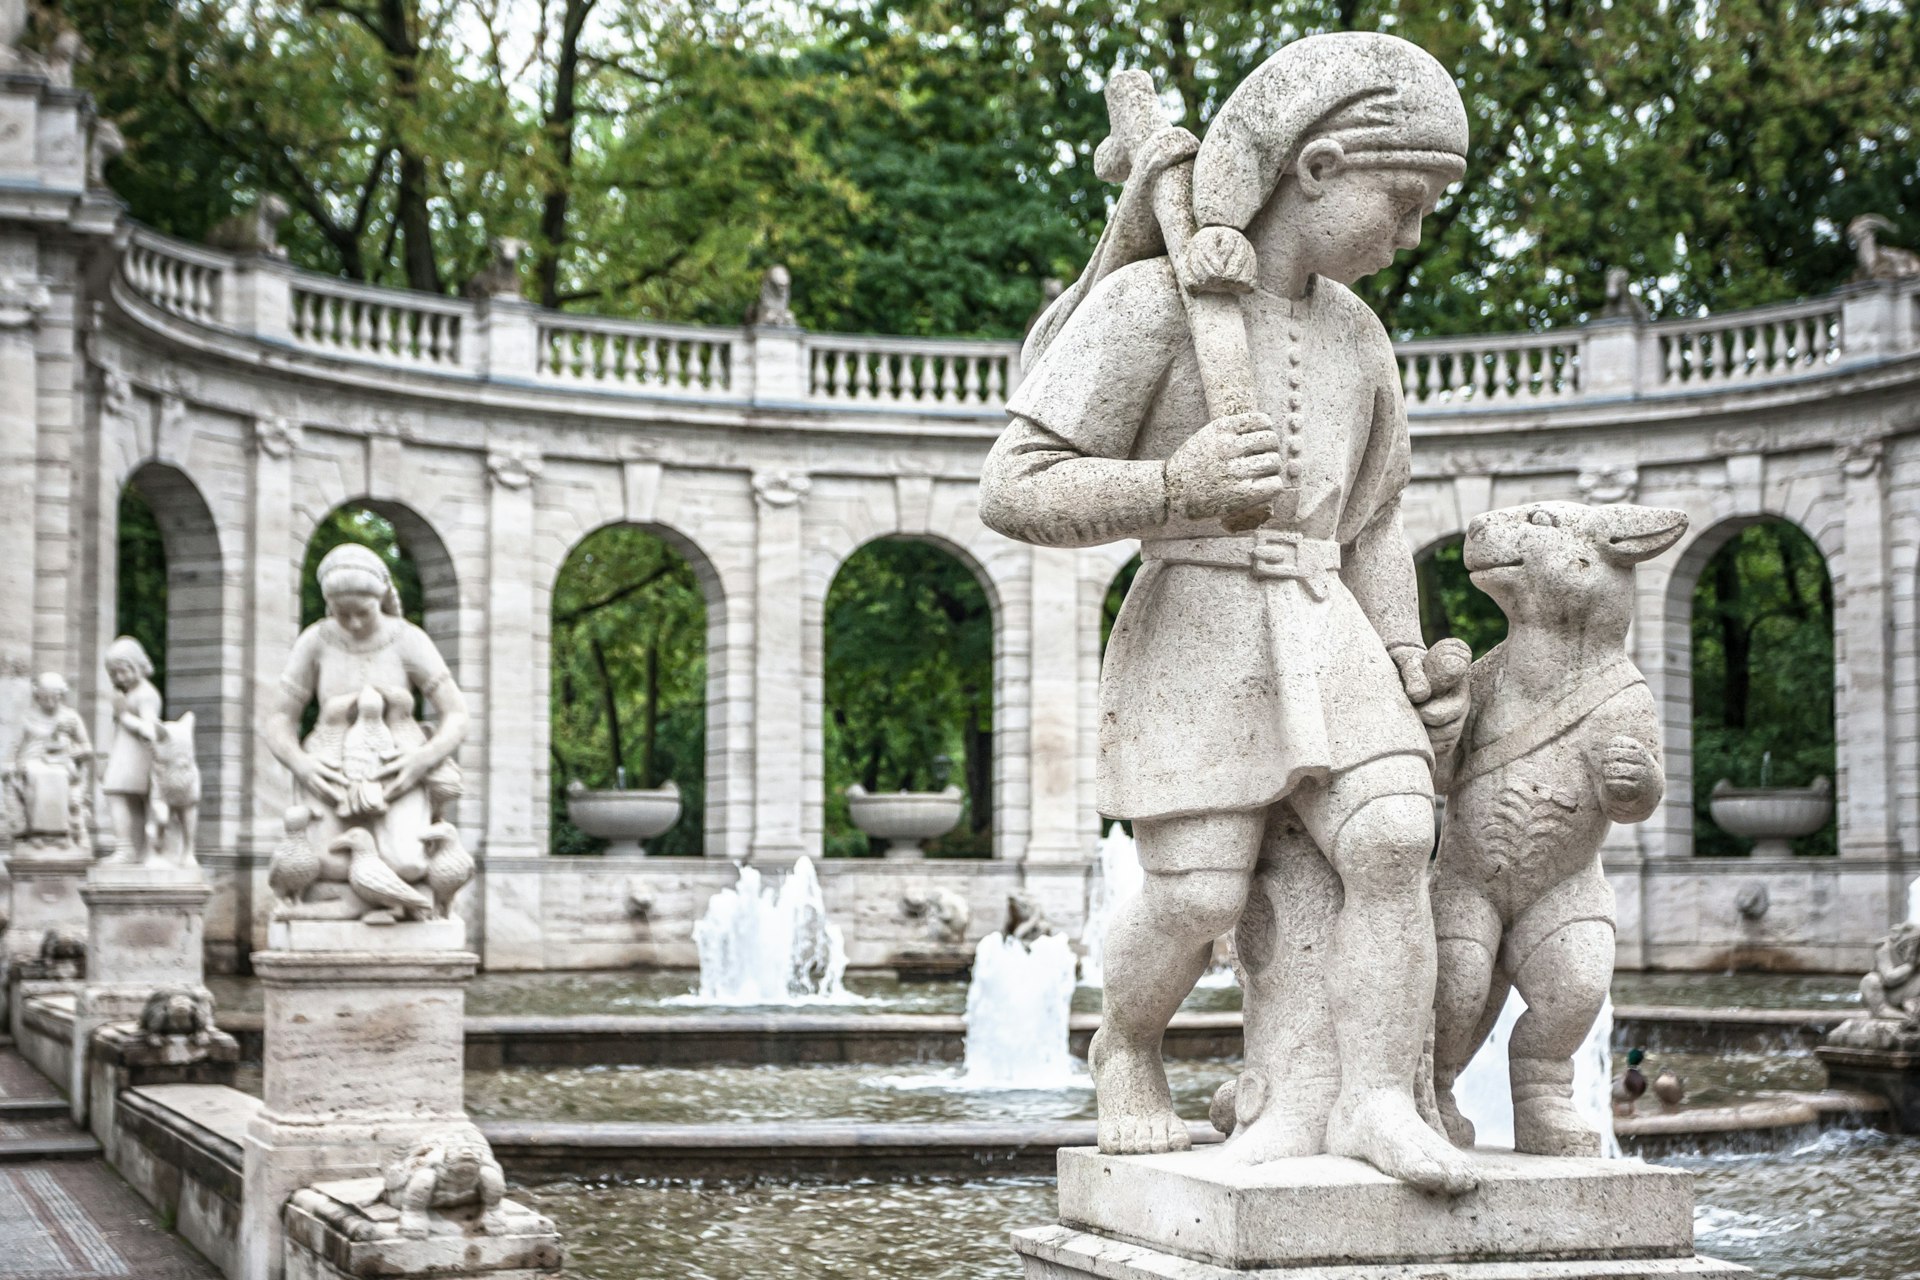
{"x":265,"y":298}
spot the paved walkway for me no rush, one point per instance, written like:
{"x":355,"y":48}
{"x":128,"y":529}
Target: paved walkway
{"x":64,"y":1215}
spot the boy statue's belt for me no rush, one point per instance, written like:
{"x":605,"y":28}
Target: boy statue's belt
{"x":1265,"y":553}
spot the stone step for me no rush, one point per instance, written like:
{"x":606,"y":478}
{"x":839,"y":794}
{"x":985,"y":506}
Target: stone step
{"x":44,"y":1139}
{"x":32,"y":1108}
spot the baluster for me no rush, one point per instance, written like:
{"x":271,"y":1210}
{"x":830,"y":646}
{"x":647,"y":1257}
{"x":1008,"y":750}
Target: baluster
{"x":1506,"y":375}
{"x":943,"y":387}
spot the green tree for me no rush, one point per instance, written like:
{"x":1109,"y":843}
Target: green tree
{"x":1762,"y":674}
{"x":909,"y":656}
{"x":1450,"y":605}
{"x":628,"y":694}
{"x":140,"y":581}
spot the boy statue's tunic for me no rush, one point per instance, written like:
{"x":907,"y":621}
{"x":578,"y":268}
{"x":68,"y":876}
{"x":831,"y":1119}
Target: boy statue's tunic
{"x":1297,"y":617}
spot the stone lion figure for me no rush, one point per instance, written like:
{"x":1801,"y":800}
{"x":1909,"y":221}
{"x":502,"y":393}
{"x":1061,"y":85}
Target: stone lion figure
{"x":447,"y":1183}
{"x":178,"y":1013}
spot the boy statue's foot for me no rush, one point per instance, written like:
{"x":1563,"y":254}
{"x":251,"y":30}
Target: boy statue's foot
{"x":1383,"y":1128}
{"x":1136,"y":1108}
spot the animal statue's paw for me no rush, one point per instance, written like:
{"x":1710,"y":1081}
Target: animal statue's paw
{"x":1630,"y":780}
{"x":1381,"y":1127}
{"x":1458,"y":1128}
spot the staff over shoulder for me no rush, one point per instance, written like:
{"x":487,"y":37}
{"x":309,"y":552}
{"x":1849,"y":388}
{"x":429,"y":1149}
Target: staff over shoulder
{"x":1212,"y":387}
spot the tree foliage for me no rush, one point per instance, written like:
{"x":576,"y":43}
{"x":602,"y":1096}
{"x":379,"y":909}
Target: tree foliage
{"x":909,"y":680}
{"x":140,"y":581}
{"x":1450,"y":605}
{"x":628,"y":694}
{"x":1762,"y":673}
{"x":923,"y":165}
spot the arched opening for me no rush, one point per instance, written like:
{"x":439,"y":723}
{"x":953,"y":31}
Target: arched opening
{"x":167,"y":594}
{"x":1762,"y":649}
{"x":909,"y":689}
{"x":1450,"y":605}
{"x":629,"y":669}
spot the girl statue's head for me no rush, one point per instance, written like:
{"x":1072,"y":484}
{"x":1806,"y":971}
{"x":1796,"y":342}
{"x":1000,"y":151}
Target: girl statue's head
{"x":357,"y":588}
{"x":127,"y":662}
{"x":1364,"y":129}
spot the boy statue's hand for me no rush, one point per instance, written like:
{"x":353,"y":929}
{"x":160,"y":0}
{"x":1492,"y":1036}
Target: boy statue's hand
{"x":1230,"y":465}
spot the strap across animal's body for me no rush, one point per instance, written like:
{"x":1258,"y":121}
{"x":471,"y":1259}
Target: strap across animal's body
{"x":1586,"y":696}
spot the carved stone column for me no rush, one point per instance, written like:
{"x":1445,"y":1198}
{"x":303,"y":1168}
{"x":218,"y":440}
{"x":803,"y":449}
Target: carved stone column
{"x":510,"y":702}
{"x":1863,"y":719}
{"x":778,"y":685}
{"x":273,"y":607}
{"x":21,"y":304}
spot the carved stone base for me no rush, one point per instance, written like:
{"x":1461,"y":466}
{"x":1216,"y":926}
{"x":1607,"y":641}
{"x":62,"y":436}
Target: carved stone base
{"x":1877,"y":1055}
{"x":364,"y":1051}
{"x":1192,"y":1215}
{"x":342,"y":1230}
{"x":45,"y":895}
{"x":144,"y":932}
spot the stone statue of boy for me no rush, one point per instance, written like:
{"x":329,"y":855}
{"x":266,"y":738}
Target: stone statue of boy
{"x":1264,"y":691}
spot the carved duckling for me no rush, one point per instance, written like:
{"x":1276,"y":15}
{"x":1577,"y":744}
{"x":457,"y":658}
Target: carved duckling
{"x":449,"y":865}
{"x":1631,"y":1084}
{"x":364,"y":751}
{"x":378,"y":884}
{"x":1669,"y":1088}
{"x":296,"y":864}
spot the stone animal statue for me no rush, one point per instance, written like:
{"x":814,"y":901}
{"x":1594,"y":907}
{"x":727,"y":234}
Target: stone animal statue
{"x":63,"y":953}
{"x":1026,"y":922}
{"x":178,"y":1013}
{"x":377,"y":884}
{"x":1879,"y":261}
{"x":1620,"y":303}
{"x":173,"y":793}
{"x":447,"y":1183}
{"x":1561,"y":740}
{"x":449,"y":866}
{"x":255,"y":231}
{"x":1892,"y":989}
{"x":945,"y":912}
{"x":500,"y":278}
{"x":774,"y":306}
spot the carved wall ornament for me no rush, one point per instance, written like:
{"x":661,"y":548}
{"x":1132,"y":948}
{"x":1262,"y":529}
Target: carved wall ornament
{"x":781,"y":488}
{"x":22,"y":301}
{"x":1609,"y":482}
{"x":116,"y":393}
{"x":277,"y":436}
{"x":514,"y":466}
{"x":1737,"y":441}
{"x":1859,"y":458}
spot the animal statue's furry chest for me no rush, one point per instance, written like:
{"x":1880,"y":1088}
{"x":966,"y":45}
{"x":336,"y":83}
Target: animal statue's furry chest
{"x":1518,"y":829}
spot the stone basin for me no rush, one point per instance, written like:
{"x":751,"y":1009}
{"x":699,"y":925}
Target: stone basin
{"x":628,"y":818}
{"x":905,"y":819}
{"x":1772,"y":817}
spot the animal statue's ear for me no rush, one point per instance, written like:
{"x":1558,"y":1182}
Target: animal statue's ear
{"x":1630,"y":534}
{"x":185,"y":724}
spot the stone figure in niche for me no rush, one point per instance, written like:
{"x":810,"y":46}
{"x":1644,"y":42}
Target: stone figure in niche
{"x":447,"y":1183}
{"x":372,"y":781}
{"x":1562,"y":740}
{"x":129,"y":769}
{"x":1213,"y":387}
{"x":1892,"y":990}
{"x":50,"y":783}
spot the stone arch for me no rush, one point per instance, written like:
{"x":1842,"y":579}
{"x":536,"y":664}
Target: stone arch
{"x":1449,"y":604}
{"x":193,"y":634}
{"x":1677,"y":695}
{"x":981,"y":772}
{"x":419,"y":541}
{"x":716,"y":655}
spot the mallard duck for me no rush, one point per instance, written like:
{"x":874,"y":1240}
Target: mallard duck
{"x":449,"y":865}
{"x":1669,"y":1088}
{"x":1631,"y":1084}
{"x":378,"y":884}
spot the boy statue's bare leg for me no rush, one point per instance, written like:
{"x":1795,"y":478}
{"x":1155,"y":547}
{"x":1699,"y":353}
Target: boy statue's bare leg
{"x":1375,"y":824}
{"x":1197,"y":873}
{"x":1286,"y":1091}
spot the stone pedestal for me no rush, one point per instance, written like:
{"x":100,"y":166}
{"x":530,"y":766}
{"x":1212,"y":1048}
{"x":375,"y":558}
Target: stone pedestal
{"x":343,"y":1230}
{"x":144,"y":933}
{"x":363,"y":1053}
{"x":1193,"y":1216}
{"x":1877,"y":1055}
{"x":46,"y":895}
